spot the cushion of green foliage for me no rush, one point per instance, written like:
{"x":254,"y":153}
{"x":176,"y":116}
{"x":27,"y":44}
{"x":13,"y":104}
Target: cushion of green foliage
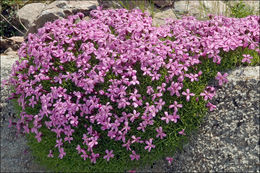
{"x":71,"y":61}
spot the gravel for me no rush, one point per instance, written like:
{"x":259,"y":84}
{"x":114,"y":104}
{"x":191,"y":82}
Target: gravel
{"x":227,"y":140}
{"x":15,"y":154}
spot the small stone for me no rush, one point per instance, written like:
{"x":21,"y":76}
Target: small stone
{"x":159,"y":18}
{"x":164,"y":3}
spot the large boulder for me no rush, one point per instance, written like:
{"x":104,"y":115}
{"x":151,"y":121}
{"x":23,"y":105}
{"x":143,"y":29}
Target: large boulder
{"x":61,"y":9}
{"x":42,"y":13}
{"x":200,"y":9}
{"x":29,"y":13}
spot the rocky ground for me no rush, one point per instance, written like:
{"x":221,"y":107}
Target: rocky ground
{"x":227,"y":141}
{"x":15,"y":154}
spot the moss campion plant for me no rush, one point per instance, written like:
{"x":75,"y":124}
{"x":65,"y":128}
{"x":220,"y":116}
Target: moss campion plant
{"x":114,"y":92}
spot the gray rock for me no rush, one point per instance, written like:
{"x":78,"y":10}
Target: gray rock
{"x":29,"y":13}
{"x":83,"y":7}
{"x":58,"y":9}
{"x":159,"y":18}
{"x":200,"y":9}
{"x":110,"y":4}
{"x":228,"y":138}
{"x":12,"y":42}
{"x":164,"y":3}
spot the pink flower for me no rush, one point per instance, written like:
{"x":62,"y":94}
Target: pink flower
{"x":155,"y":76}
{"x":78,"y":149}
{"x":134,"y":81}
{"x":94,"y":157}
{"x":93,"y":141}
{"x":32,"y":102}
{"x":68,"y":138}
{"x":137,"y":103}
{"x":123,"y":103}
{"x":149,"y":145}
{"x":38,"y":136}
{"x":62,"y":153}
{"x":127,"y":145}
{"x":50,"y":154}
{"x":150,"y":90}
{"x":146,"y":71}
{"x":10,"y":123}
{"x":59,"y":143}
{"x":134,"y":96}
{"x":221,"y":79}
{"x":167,"y":117}
{"x":134,"y":156}
{"x":211,"y":106}
{"x":160,"y":104}
{"x":193,"y":77}
{"x":175,"y":106}
{"x":85,"y":139}
{"x":136,"y":140}
{"x":188,"y":94}
{"x":84,"y":154}
{"x":160,"y":133}
{"x":182,"y":132}
{"x":169,"y":159}
{"x":207,"y":95}
{"x":175,"y":117}
{"x":141,"y":126}
{"x":174,"y":88}
{"x":134,"y":116}
{"x":161,"y":88}
{"x":109,"y":155}
{"x":247,"y":58}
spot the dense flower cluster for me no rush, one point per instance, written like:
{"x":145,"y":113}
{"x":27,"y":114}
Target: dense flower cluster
{"x":94,"y":74}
